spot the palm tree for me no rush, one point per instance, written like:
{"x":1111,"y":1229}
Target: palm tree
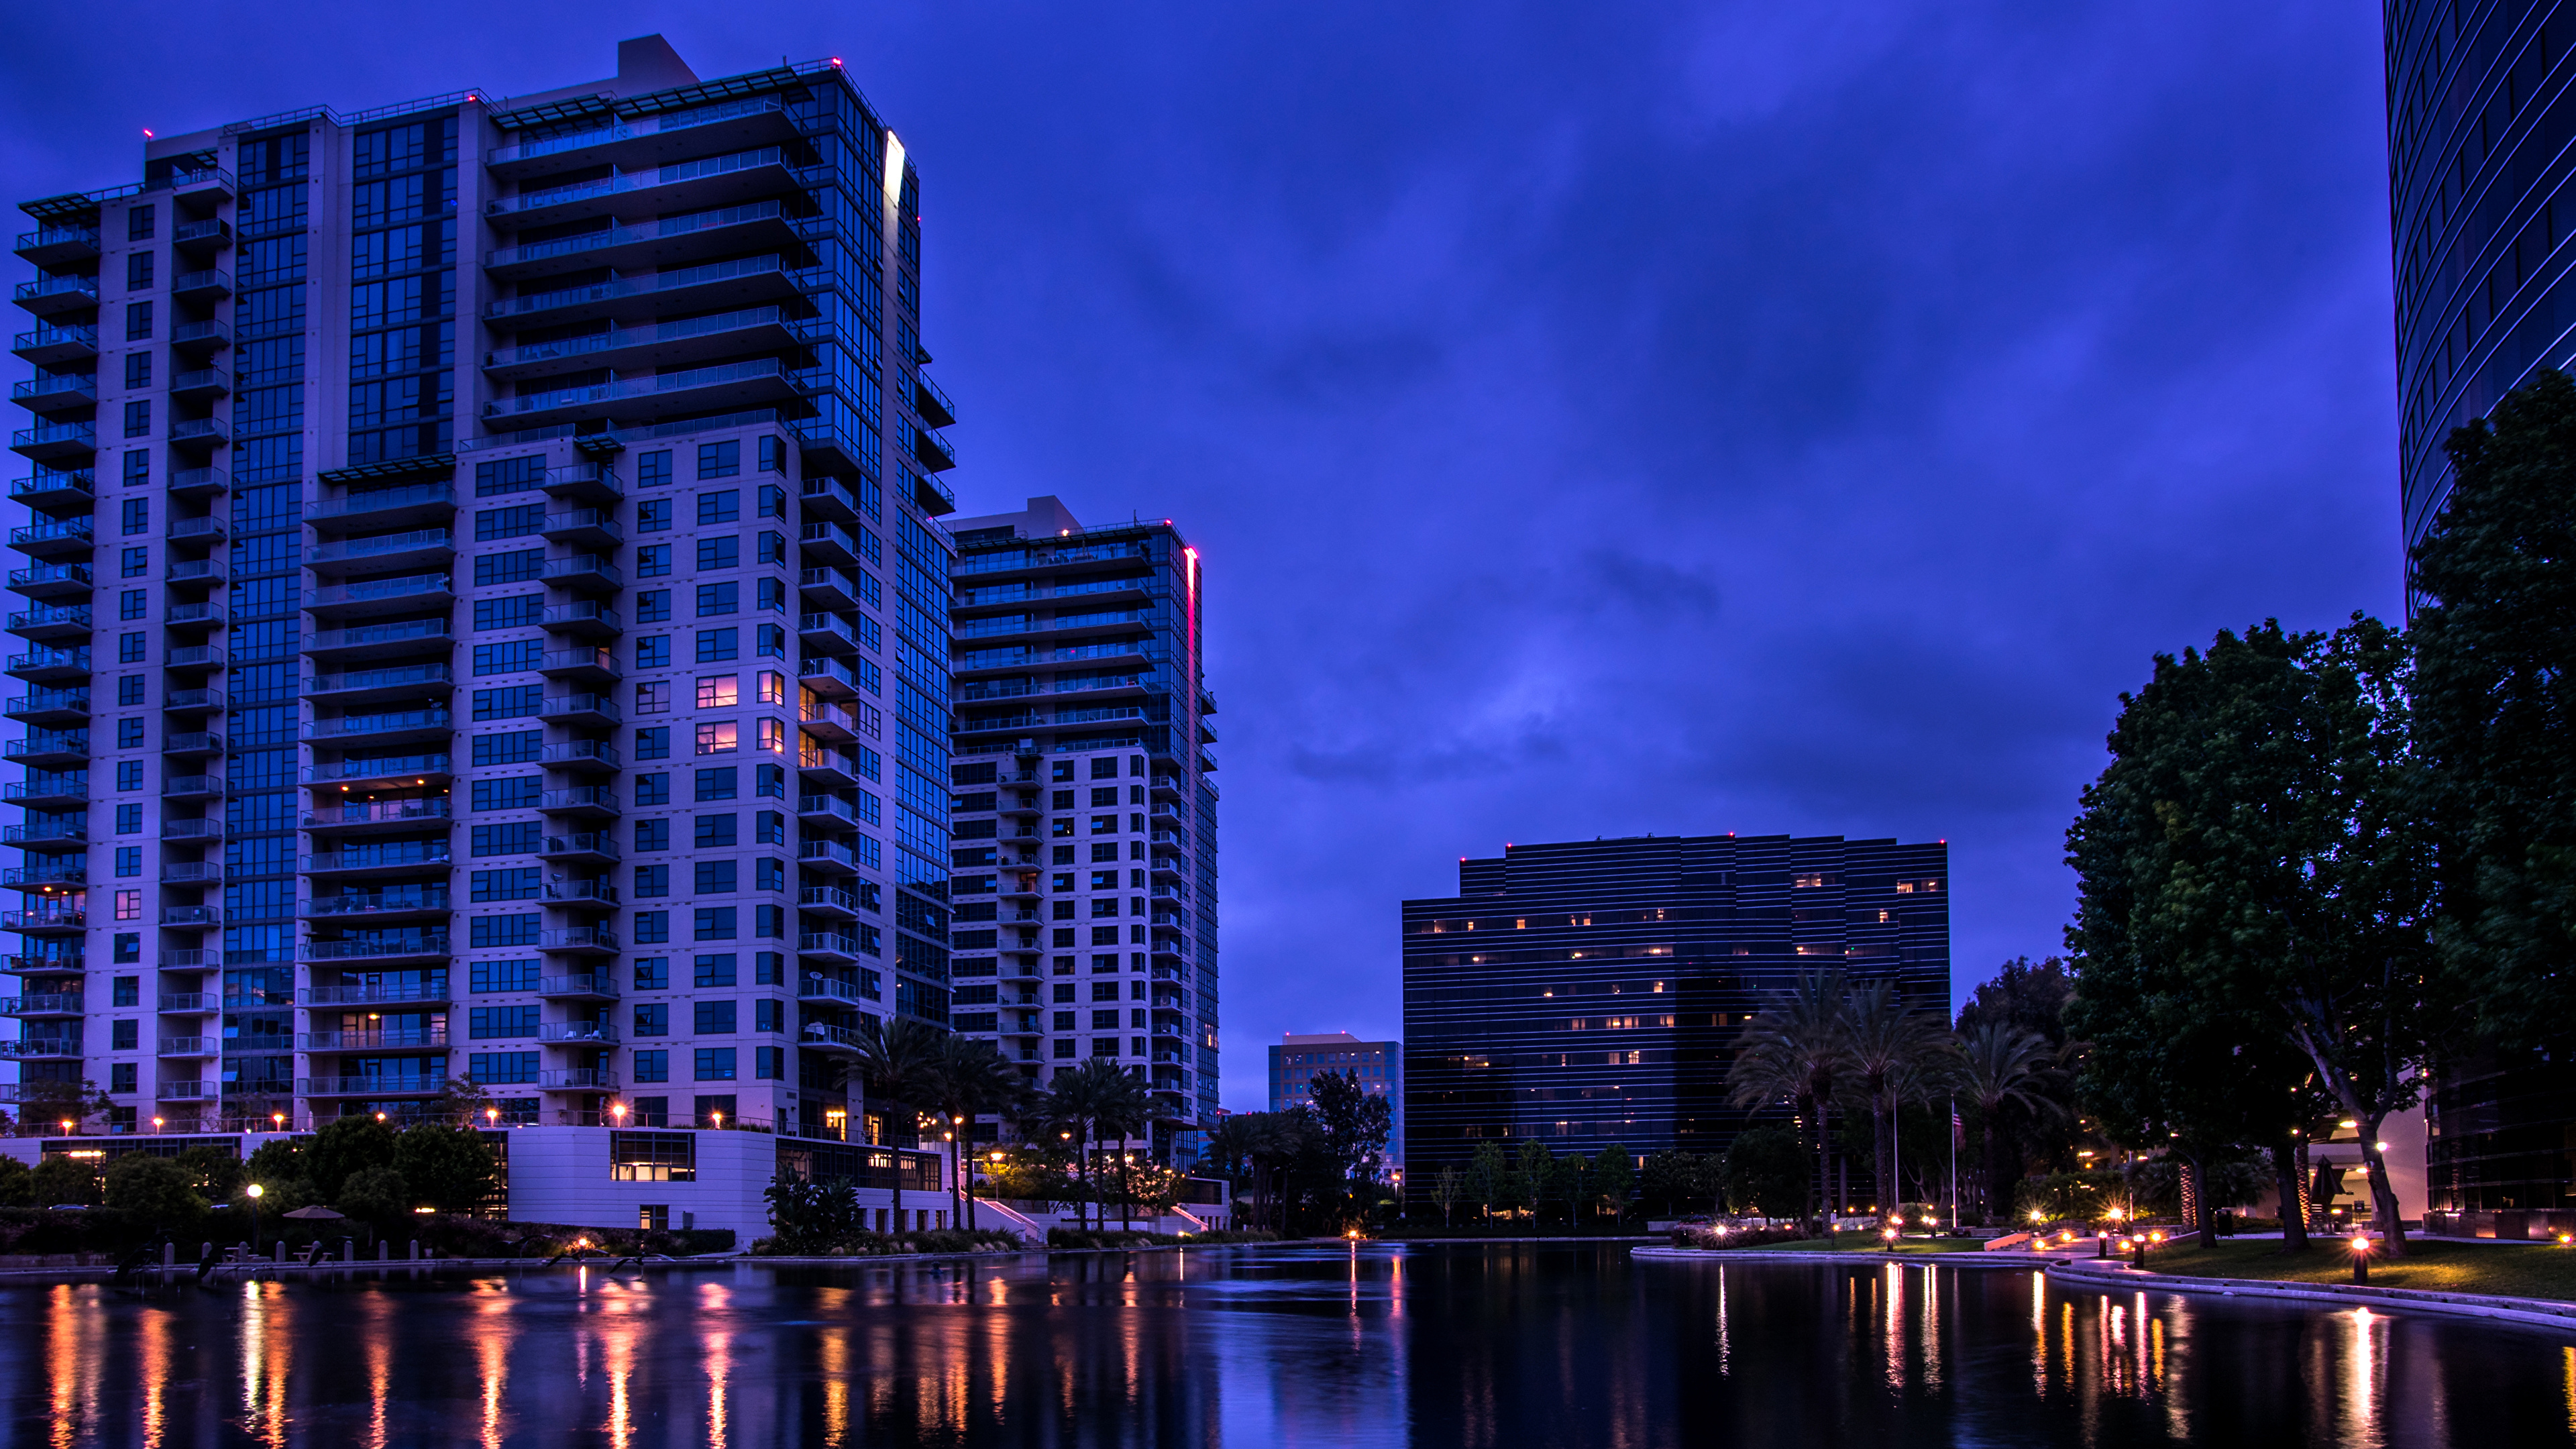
{"x":1884,"y":1040}
{"x":1097,"y":1100}
{"x":969,"y":1079}
{"x":894,"y":1062}
{"x":2003,"y":1065}
{"x":1792,"y":1051}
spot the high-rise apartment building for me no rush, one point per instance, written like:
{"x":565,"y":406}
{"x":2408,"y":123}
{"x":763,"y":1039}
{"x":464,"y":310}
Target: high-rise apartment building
{"x":1589,"y":993}
{"x":1085,"y":850}
{"x":482,"y":613}
{"x":1378,"y":1067}
{"x":2482,"y":196}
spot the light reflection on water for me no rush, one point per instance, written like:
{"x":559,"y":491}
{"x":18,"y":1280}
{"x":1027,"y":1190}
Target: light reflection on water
{"x":1505,"y":1345}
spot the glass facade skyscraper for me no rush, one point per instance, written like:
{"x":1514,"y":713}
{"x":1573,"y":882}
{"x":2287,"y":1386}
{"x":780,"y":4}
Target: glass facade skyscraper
{"x":1588,"y":993}
{"x":483,"y":613}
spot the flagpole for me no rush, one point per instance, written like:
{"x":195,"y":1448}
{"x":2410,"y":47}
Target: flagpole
{"x":1954,"y":1162}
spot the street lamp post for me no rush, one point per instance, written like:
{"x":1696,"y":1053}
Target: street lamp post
{"x":2361,"y":1257}
{"x":254,"y":1192}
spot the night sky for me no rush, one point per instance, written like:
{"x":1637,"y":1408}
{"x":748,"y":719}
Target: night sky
{"x":1595,"y":420}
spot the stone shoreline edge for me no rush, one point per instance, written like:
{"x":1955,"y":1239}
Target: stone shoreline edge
{"x":2085,"y":1272}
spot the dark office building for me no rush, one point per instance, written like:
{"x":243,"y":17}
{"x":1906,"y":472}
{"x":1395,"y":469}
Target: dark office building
{"x":2481,"y":111}
{"x":1586,"y":993}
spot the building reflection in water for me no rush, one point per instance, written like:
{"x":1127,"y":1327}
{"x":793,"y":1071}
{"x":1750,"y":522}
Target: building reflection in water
{"x":1477,"y":1346}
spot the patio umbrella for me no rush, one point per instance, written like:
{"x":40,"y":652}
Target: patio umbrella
{"x":315,"y":1213}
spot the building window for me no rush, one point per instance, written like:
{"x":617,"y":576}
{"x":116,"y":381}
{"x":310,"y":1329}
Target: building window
{"x":717,"y":645}
{"x":652,"y":880}
{"x":720,"y":598}
{"x":129,"y":905}
{"x":720,"y":737}
{"x":653,"y":973}
{"x":653,"y":515}
{"x":651,"y":1066}
{"x":717,"y":783}
{"x":715,"y":923}
{"x":652,"y":926}
{"x":715,"y":878}
{"x":652,"y":697}
{"x":138,"y":422}
{"x":653,"y":652}
{"x":720,"y":460}
{"x":715,"y":1064}
{"x":653,"y":470}
{"x":719,"y":691}
{"x":724,"y":505}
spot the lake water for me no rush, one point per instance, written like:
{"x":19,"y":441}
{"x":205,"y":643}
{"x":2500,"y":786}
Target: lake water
{"x":1508,"y":1345}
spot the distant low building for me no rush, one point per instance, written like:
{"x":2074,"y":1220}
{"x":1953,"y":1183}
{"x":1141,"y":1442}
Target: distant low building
{"x":1589,"y":993}
{"x":1379,"y":1065}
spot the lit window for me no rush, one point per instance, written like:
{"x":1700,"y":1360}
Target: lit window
{"x":773,"y":736}
{"x":719,"y":691}
{"x":719,"y":739}
{"x":652,"y":697}
{"x":773,"y":686}
{"x":129,"y":905}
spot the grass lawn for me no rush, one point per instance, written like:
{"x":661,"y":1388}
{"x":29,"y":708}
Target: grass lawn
{"x":2538,"y":1270}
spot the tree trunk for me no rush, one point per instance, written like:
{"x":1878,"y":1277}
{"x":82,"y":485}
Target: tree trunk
{"x":2294,"y":1197}
{"x":2383,"y":1195}
{"x":2204,"y":1221}
{"x":967,"y":1184}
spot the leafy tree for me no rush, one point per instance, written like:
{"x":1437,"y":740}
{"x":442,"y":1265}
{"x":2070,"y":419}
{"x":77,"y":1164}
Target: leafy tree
{"x":1487,"y":1174}
{"x":1614,"y":1178}
{"x":376,"y":1196}
{"x":44,"y":1104}
{"x":215,"y":1172}
{"x":1532,"y":1168}
{"x":1448,"y":1186}
{"x":17,"y":1183}
{"x":343,"y":1148}
{"x":282,"y":1169}
{"x":2495,"y":644}
{"x":814,"y":1217}
{"x":448,"y":1168}
{"x":1355,"y":1123}
{"x":155,"y":1189}
{"x":1793,"y":1052}
{"x":461,"y":1102}
{"x":1681,"y":1182}
{"x":1765,"y":1172}
{"x":60,"y":1181}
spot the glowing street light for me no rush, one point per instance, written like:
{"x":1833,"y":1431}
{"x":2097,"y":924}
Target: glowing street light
{"x":254,"y":1193}
{"x":2360,"y":1257}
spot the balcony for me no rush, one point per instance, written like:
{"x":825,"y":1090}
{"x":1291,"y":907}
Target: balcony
{"x":55,"y":296}
{"x":374,"y":1088}
{"x":54,"y":397}
{"x":51,"y":708}
{"x":51,"y":875}
{"x":381,"y":772}
{"x":203,"y":287}
{"x":641,"y":195}
{"x":829,"y":722}
{"x":724,"y":387}
{"x":381,"y":686}
{"x":203,"y":832}
{"x":200,"y":1091}
{"x":403,"y":858}
{"x":201,"y":385}
{"x":206,"y":185}
{"x":190,"y":1003}
{"x":740,"y":282}
{"x":584,"y":528}
{"x":44,"y":963}
{"x":577,"y":1033}
{"x":356,"y":817}
{"x":579,"y":941}
{"x":193,"y":873}
{"x":47,"y":835}
{"x":831,"y":1040}
{"x":820,"y":990}
{"x":639,"y":141}
{"x":56,"y":624}
{"x":819,"y":809}
{"x":581,"y":666}
{"x":200,"y":436}
{"x":828,"y":856}
{"x":385,"y":508}
{"x":51,"y":666}
{"x":193,"y":787}
{"x":593,"y":756}
{"x":933,"y":452}
{"x":423,"y":903}
{"x":577,"y":1079}
{"x":49,"y":750}
{"x":830,"y":769}
{"x":51,"y":582}
{"x":585,"y":986}
{"x":418,"y":548}
{"x":412,"y":946}
{"x":827,"y":676}
{"x":45,"y":921}
{"x":829,"y":902}
{"x":56,"y":441}
{"x":594,"y":484}
{"x":402,"y":727}
{"x":201,"y":339}
{"x":202,"y":238}
{"x":50,"y":1004}
{"x":49,"y":791}
{"x":196,"y":657}
{"x":188,"y":1046}
{"x":588,"y":619}
{"x":586,"y":572}
{"x":199,"y":532}
{"x":589,"y":847}
{"x":930,"y":400}
{"x":197,"y":485}
{"x":58,"y":245}
{"x":411,"y":593}
{"x":669,"y":242}
{"x":827,"y":633}
{"x":186,"y":743}
{"x":202,"y":572}
{"x":37,"y":1049}
{"x":582,"y":802}
{"x":578,"y":894}
{"x":649,"y":348}
{"x":199,"y":619}
{"x":56,"y":490}
{"x":56,"y":343}
{"x":595,"y":711}
{"x":372,"y":1041}
{"x":419,"y":638}
{"x":826,"y":542}
{"x":192,"y":916}
{"x":831,"y":588}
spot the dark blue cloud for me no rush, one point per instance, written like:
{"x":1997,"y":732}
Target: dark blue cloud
{"x":1596,"y":420}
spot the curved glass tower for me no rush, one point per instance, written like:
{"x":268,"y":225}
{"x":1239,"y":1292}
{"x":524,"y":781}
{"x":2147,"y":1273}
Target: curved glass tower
{"x":2481,"y":112}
